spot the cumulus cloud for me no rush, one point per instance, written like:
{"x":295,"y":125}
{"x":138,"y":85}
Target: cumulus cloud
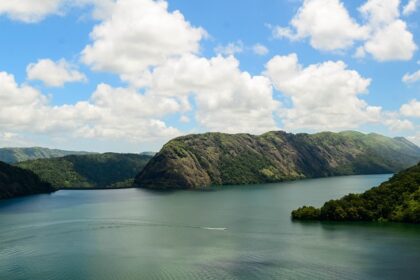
{"x":329,"y":27}
{"x":226,"y":98}
{"x":30,"y":11}
{"x":260,"y":49}
{"x":385,"y":27}
{"x":399,"y":125}
{"x":326,"y":23}
{"x":410,"y":7}
{"x":140,"y":34}
{"x":54,"y":74}
{"x":411,"y":109}
{"x":230,"y":49}
{"x":112,"y":113}
{"x":411,"y":78}
{"x":323,"y":96}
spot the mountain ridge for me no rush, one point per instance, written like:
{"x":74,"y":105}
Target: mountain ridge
{"x":13,"y":155}
{"x":201,"y":160}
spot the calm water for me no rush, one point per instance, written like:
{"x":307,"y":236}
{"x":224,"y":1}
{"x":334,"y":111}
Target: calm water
{"x":137,"y":234}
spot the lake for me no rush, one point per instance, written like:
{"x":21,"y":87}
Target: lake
{"x":241,"y":232}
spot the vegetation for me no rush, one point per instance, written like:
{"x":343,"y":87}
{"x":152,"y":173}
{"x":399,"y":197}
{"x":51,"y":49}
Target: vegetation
{"x":396,"y":200}
{"x":14,"y":155}
{"x":199,"y":161}
{"x":88,"y":171}
{"x":15,"y":182}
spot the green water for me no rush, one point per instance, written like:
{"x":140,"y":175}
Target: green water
{"x":138,"y":234}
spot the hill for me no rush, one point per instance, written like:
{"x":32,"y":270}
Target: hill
{"x":14,"y":155}
{"x":15,"y":182}
{"x":199,"y":161}
{"x":107,"y":170}
{"x":396,"y":200}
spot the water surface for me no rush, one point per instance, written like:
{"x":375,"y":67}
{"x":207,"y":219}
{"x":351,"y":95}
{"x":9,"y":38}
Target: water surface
{"x":235,"y":233}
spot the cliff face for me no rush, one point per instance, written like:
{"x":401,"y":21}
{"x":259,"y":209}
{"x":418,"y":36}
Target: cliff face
{"x":15,"y":182}
{"x":199,"y":161}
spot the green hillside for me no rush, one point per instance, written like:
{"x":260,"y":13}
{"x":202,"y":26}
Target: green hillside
{"x":107,"y":170}
{"x":203,"y":160}
{"x":15,"y":182}
{"x":396,"y":200}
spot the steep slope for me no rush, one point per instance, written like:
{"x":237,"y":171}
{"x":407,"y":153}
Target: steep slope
{"x":396,"y":200}
{"x":14,"y":155}
{"x":197,"y":161}
{"x":15,"y":182}
{"x":88,"y":171}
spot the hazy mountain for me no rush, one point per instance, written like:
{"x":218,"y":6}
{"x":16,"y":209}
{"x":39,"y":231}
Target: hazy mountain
{"x":14,"y":155}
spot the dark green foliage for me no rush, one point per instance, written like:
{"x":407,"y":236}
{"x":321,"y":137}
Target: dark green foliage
{"x":14,"y":155}
{"x":397,"y":200}
{"x":306,"y":213}
{"x":89,"y":171}
{"x":199,"y":161}
{"x":15,"y":182}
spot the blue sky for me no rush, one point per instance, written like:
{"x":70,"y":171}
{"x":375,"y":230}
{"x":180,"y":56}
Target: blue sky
{"x":128,"y":75}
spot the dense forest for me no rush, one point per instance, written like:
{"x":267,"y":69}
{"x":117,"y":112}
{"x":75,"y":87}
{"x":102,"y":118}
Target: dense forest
{"x":396,"y":200}
{"x":15,"y":182}
{"x":107,"y":170}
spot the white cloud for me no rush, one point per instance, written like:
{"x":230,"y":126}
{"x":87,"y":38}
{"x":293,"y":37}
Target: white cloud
{"x":230,"y":49}
{"x":54,"y":74}
{"x":415,"y":139}
{"x":111,"y":113}
{"x":29,"y":10}
{"x":385,"y":26}
{"x":260,"y":49}
{"x":324,"y":96}
{"x":399,"y":125}
{"x":410,"y":7}
{"x":329,"y":27}
{"x":140,"y":34}
{"x":411,"y":109}
{"x":411,"y":78}
{"x":226,"y":99}
{"x":326,"y":23}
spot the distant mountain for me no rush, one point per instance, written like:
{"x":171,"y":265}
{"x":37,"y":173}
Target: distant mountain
{"x":396,"y":200}
{"x":148,"y":154}
{"x":107,"y":170}
{"x":199,"y":161}
{"x":15,"y":182}
{"x":14,"y":155}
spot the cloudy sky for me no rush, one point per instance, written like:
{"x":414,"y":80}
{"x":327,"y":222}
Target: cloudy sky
{"x":128,"y":75}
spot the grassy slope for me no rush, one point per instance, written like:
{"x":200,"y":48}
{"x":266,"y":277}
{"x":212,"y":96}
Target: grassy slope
{"x":197,"y":161}
{"x":397,"y":200}
{"x":88,"y":171}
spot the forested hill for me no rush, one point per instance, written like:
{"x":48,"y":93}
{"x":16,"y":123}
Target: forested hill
{"x":107,"y":170}
{"x":15,"y":182}
{"x":14,"y":155}
{"x":396,"y":200}
{"x":199,"y":161}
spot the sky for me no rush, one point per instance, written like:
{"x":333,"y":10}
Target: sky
{"x":129,"y":75}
